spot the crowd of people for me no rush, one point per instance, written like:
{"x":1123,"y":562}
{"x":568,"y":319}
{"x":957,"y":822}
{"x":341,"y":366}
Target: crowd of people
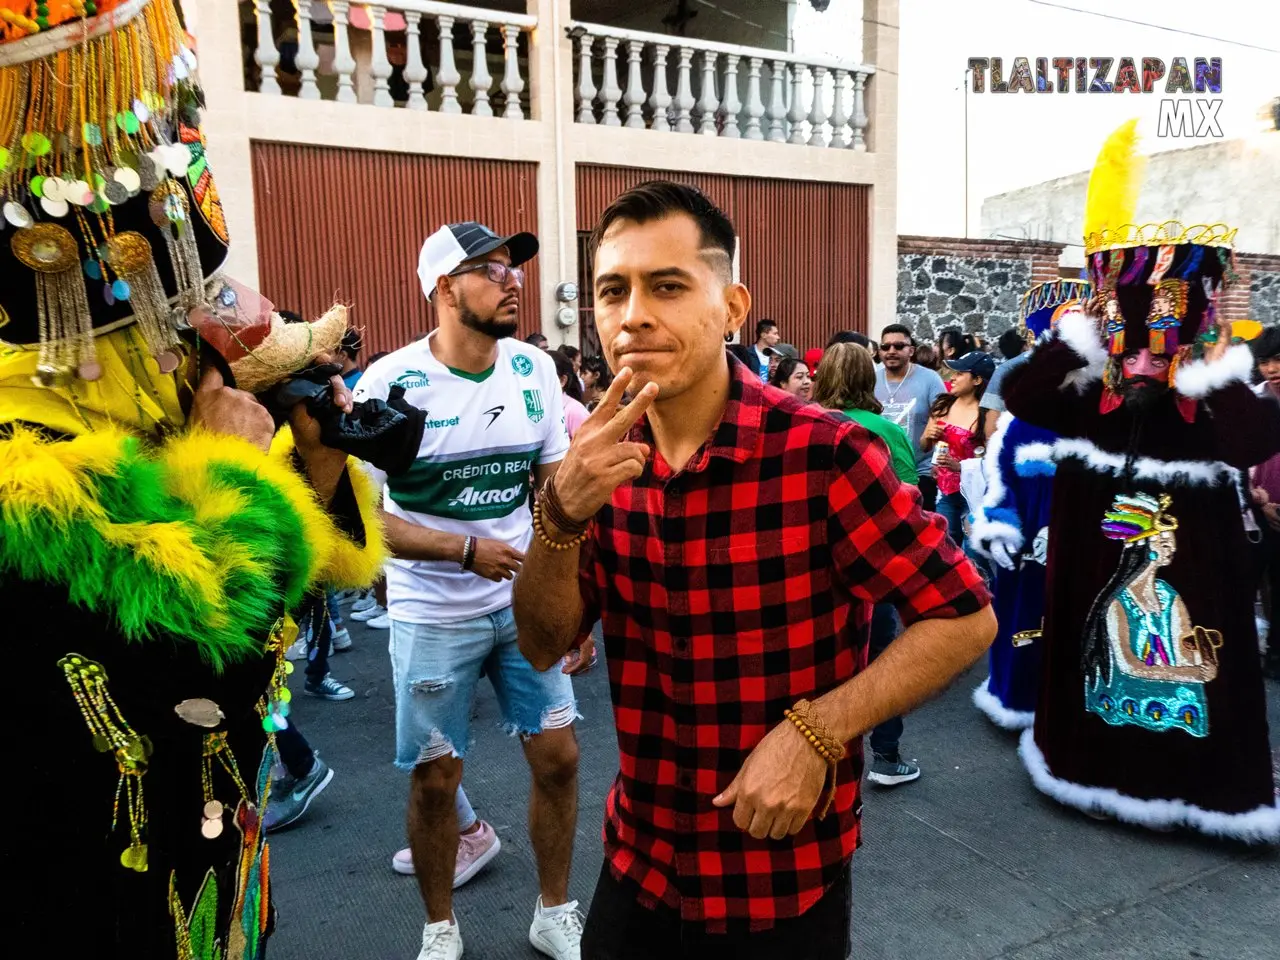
{"x":784,"y":554}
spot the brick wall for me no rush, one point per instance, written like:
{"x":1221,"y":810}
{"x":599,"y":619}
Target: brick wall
{"x":1257,"y":294}
{"x":974,"y":284}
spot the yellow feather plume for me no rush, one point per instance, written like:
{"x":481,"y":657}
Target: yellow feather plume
{"x":1112,"y":200}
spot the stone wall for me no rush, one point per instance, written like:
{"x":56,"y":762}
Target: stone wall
{"x":974,"y":284}
{"x":1257,"y":295}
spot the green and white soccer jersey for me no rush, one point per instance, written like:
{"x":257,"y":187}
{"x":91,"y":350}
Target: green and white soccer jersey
{"x":484,"y":435}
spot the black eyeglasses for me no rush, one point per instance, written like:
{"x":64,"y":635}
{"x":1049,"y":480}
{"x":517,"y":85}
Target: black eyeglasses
{"x":894,"y":346}
{"x":497,"y":271}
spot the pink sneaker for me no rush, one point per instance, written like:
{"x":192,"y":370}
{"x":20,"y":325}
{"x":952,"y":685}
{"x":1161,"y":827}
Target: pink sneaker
{"x":475,"y":850}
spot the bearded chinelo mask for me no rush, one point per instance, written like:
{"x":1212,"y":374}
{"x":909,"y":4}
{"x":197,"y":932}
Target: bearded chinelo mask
{"x":109,"y":214}
{"x":1156,"y":284}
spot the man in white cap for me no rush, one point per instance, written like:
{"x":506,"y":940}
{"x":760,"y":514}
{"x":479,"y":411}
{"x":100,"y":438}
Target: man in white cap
{"x":458,"y":524}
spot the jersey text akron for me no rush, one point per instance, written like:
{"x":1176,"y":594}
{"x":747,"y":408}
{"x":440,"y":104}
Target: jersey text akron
{"x":481,"y":486}
{"x":471,"y":497}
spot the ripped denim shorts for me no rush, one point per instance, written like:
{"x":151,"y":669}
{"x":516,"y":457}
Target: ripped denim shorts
{"x":436,"y":668}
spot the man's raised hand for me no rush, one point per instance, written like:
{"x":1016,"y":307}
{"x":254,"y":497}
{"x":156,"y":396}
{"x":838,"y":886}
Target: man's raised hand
{"x":224,"y":409}
{"x":600,"y":459}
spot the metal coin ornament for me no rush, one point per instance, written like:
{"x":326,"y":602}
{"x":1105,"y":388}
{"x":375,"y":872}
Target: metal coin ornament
{"x":17,"y":215}
{"x":115,"y":192}
{"x":129,"y":179}
{"x":65,"y":324}
{"x":211,"y":813}
{"x":54,"y":208}
{"x":200,"y":712}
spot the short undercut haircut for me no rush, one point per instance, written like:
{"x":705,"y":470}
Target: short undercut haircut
{"x":657,"y":199}
{"x":902,"y":329}
{"x":764,"y":326}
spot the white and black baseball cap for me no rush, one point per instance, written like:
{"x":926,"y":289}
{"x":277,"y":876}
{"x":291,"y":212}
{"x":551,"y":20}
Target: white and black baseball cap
{"x":456,"y":243}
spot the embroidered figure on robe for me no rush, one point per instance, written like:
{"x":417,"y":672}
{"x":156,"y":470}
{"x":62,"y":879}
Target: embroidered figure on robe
{"x":1145,"y":662}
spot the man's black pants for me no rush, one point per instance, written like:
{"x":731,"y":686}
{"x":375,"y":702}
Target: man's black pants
{"x":619,"y":928}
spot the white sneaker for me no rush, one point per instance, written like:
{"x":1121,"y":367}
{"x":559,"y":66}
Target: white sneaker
{"x":382,"y":622}
{"x":369,"y":600}
{"x":557,"y":934}
{"x":441,"y":941}
{"x":369,"y":612}
{"x":342,"y":640}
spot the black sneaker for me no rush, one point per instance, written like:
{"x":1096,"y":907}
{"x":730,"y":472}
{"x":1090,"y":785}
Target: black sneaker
{"x":891,"y":771}
{"x":329,"y":689}
{"x":290,"y":798}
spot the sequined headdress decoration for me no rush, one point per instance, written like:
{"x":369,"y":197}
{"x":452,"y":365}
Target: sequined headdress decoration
{"x":96,"y":103}
{"x":1169,"y":273}
{"x":1043,"y":304}
{"x":1136,"y":517}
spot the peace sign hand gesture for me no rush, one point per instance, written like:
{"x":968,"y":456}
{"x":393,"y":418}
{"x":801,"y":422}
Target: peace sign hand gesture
{"x":599,"y":459}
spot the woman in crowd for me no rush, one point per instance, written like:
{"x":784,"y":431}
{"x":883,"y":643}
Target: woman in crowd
{"x":574,"y":411}
{"x":596,"y":378}
{"x":792,"y":376}
{"x":956,"y":419}
{"x":574,"y":355}
{"x":847,"y":383}
{"x":953,"y":343}
{"x":927,"y":357}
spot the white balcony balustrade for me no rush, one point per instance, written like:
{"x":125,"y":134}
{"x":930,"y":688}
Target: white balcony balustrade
{"x":720,"y":90}
{"x":404,"y":53}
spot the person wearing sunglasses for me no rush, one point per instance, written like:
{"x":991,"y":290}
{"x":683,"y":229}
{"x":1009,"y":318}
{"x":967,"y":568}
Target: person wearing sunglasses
{"x":907,"y":390}
{"x":458,"y":525}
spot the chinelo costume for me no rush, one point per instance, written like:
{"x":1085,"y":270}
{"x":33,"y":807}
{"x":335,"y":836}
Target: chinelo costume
{"x":1011,"y":528}
{"x":147,"y":569}
{"x":1152,"y":707}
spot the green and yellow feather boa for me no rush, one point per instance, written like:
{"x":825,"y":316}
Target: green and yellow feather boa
{"x":204,"y":538}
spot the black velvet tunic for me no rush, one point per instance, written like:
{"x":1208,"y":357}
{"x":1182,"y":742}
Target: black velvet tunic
{"x":1126,"y":704}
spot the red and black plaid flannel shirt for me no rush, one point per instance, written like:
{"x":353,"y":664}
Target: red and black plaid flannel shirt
{"x":728,"y":591}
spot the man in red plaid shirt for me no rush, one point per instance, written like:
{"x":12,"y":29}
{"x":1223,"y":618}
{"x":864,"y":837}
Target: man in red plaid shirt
{"x":740,"y":540}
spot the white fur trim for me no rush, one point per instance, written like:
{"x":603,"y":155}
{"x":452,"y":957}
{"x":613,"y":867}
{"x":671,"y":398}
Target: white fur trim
{"x":998,"y":713}
{"x":1079,"y":332}
{"x":1260,"y":825}
{"x":982,"y":530}
{"x":991,"y":462}
{"x":1198,"y":379}
{"x":1192,"y":473}
{"x":1034,"y":453}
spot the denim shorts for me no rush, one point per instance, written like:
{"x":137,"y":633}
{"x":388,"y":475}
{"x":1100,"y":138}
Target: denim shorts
{"x":436,"y":667}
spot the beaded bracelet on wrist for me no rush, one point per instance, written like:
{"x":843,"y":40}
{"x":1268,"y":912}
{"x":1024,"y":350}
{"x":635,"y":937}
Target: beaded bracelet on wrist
{"x":803,"y":717}
{"x":555,"y":512}
{"x":540,"y":531}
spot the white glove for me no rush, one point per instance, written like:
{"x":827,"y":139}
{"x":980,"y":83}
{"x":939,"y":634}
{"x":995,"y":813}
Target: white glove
{"x":1002,"y":555}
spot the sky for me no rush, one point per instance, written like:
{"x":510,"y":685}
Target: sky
{"x":1015,"y":140}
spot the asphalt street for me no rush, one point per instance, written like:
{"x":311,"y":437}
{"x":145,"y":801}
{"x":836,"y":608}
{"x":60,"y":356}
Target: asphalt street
{"x":967,"y":863}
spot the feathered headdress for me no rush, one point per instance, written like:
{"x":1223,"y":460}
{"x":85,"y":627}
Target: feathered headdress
{"x":1112,"y":200}
{"x":1155,"y":284}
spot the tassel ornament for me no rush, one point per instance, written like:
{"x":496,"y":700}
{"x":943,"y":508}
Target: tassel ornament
{"x":129,"y":255}
{"x":65,"y":324}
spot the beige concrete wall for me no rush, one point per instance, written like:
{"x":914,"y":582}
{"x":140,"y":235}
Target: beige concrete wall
{"x":880,"y":47}
{"x":1236,"y":182}
{"x":234,"y":118}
